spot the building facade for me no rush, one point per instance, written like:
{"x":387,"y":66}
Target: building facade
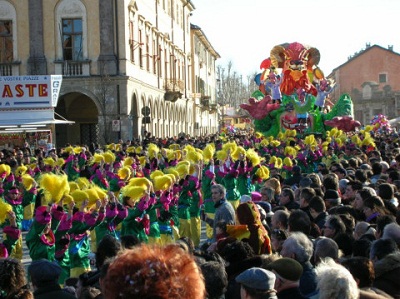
{"x":372,"y":78}
{"x":128,"y":66}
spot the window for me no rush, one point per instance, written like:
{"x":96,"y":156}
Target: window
{"x":6,"y":41}
{"x":367,"y":92}
{"x":72,"y":39}
{"x":140,"y":49}
{"x":147,"y":53}
{"x":132,"y":40}
{"x":382,"y":78}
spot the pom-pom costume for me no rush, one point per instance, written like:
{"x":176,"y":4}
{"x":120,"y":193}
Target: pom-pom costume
{"x":40,"y":239}
{"x":79,"y":248}
{"x":206,"y":183}
{"x":14,"y":198}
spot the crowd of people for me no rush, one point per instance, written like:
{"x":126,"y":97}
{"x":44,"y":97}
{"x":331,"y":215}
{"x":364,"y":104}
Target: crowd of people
{"x":286,"y":217}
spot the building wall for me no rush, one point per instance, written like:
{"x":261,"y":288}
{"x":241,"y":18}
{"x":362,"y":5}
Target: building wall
{"x":359,"y":77}
{"x":109,"y":76}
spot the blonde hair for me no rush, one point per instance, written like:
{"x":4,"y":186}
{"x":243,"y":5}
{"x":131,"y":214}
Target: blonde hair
{"x":275,"y":184}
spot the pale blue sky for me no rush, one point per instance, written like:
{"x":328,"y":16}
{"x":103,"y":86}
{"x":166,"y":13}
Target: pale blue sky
{"x":244,"y":31}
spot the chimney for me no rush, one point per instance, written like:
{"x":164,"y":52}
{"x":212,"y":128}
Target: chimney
{"x":390,"y":48}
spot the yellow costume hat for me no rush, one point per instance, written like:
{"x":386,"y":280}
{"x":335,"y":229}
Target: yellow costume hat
{"x":134,"y":192}
{"x":4,"y":209}
{"x":79,"y":196}
{"x":54,"y":186}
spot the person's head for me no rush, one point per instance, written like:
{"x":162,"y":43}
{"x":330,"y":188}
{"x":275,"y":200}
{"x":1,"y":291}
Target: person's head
{"x":215,"y":278}
{"x":332,"y":198}
{"x":278,"y":236}
{"x":351,"y":189}
{"x":299,"y":221}
{"x":335,"y":281}
{"x":305,"y":196}
{"x":298,"y":246}
{"x":386,"y":191}
{"x":267,"y":194}
{"x":362,"y":246}
{"x":325,"y":247}
{"x":218,"y":192}
{"x":381,"y":248}
{"x":317,"y":206}
{"x":280,"y":219}
{"x":392,"y":231}
{"x":373,"y":204}
{"x":333,"y":226}
{"x":275,"y":184}
{"x":108,"y":247}
{"x":43,"y":273}
{"x":360,"y":196}
{"x":287,"y":271}
{"x":154,"y":272}
{"x":361,"y":175}
{"x":330,"y":181}
{"x":13,"y":278}
{"x":286,"y":196}
{"x":361,"y":229}
{"x":362,"y":270}
{"x":381,"y":222}
{"x":256,"y":283}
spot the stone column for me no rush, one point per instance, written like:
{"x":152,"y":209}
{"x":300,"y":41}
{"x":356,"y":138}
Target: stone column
{"x":37,"y":64}
{"x":107,"y":59}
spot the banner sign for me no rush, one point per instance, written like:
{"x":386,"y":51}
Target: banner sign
{"x":29,"y":91}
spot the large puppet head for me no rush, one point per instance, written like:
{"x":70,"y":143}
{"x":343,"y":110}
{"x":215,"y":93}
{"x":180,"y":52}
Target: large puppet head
{"x":295,"y":60}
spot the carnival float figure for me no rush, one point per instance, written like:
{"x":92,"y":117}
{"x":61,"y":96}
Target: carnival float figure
{"x":300,"y":105}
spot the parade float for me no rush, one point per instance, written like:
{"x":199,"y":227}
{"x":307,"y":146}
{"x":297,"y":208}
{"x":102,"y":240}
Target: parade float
{"x":292,"y":95}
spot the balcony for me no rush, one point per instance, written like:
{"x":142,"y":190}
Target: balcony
{"x":9,"y":69}
{"x":70,"y":68}
{"x":173,"y":89}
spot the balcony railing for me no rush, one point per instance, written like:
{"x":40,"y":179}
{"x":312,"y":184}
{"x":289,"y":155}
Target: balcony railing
{"x":9,"y":69}
{"x":174,"y":85}
{"x":70,"y":68}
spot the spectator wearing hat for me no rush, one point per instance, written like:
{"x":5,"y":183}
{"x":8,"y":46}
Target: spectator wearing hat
{"x":44,"y":276}
{"x":288,"y":273}
{"x":257,"y":283}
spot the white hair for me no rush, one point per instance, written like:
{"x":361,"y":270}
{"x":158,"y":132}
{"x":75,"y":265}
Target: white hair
{"x":335,"y":281}
{"x":392,"y":231}
{"x":299,"y":244}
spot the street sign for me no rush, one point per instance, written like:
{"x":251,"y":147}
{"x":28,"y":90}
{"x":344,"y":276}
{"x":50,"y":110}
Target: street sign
{"x":146,"y":120}
{"x":146,"y":111}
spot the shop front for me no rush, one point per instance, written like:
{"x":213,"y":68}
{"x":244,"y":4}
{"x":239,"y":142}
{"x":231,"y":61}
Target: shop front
{"x":27,"y":113}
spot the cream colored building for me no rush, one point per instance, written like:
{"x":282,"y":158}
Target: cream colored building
{"x":127,"y":66}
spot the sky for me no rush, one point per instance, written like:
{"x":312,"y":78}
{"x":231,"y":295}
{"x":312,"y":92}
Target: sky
{"x":244,"y":31}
